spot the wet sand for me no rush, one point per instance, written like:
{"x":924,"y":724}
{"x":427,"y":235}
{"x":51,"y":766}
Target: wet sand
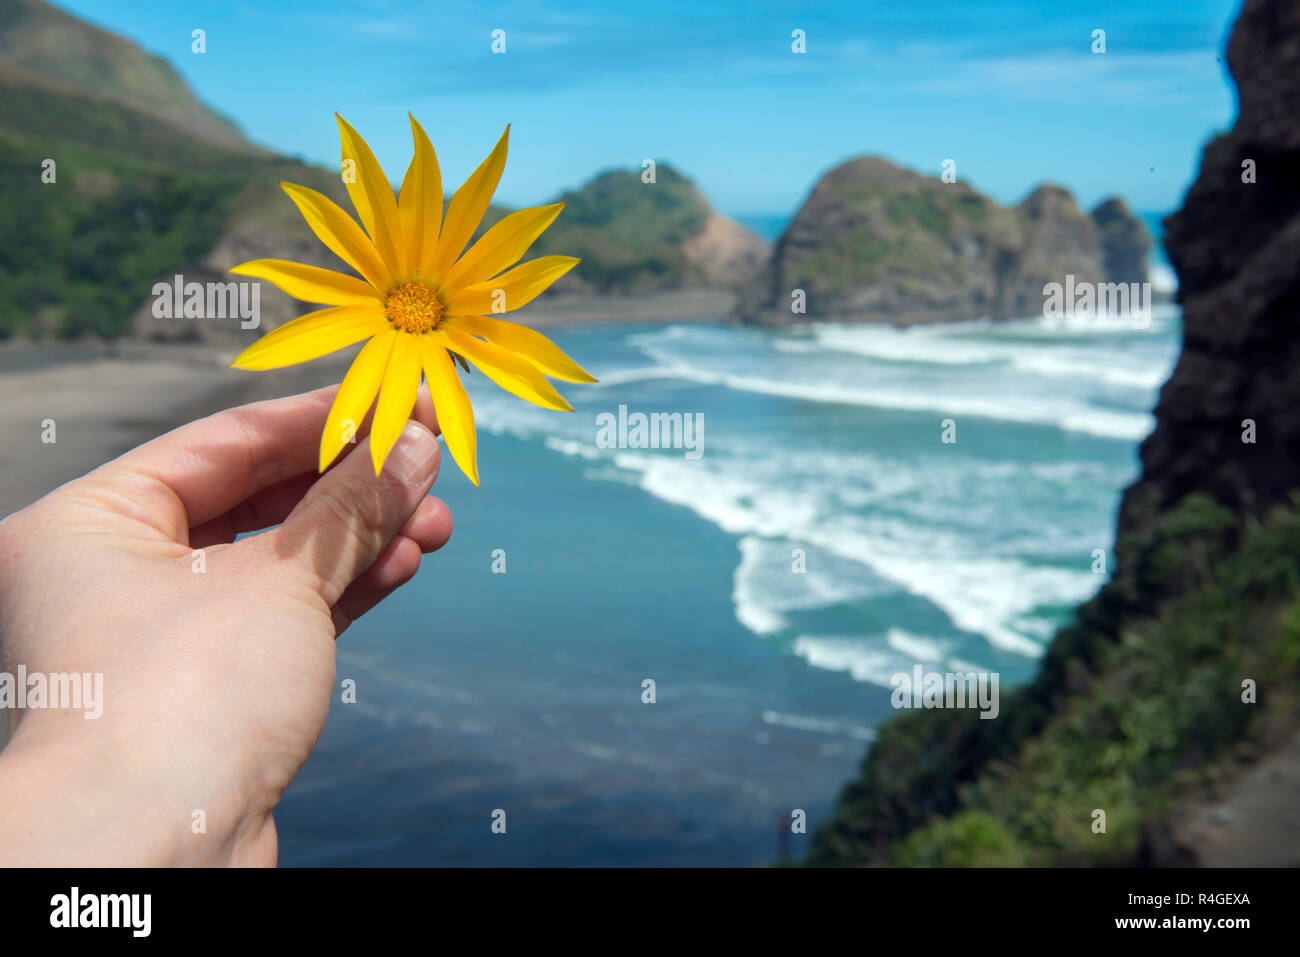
{"x":96,"y":402}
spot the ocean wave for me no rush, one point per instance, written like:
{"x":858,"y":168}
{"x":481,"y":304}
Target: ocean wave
{"x":860,"y":658}
{"x":622,"y":377}
{"x":1059,"y":413}
{"x":866,"y":659}
{"x":986,"y":596}
{"x":766,"y":587}
{"x":1164,"y":316}
{"x":572,"y":447}
{"x":1113,"y":365}
{"x":801,"y":722}
{"x":980,"y":593}
{"x":775,"y":508}
{"x":914,"y":646}
{"x":1163,"y":278}
{"x":750,"y":362}
{"x":1107,"y":368}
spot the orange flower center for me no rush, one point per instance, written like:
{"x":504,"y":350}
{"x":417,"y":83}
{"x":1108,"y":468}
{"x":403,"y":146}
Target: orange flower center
{"x":413,"y":307}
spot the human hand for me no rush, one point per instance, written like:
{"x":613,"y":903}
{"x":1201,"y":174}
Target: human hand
{"x":217,"y":656}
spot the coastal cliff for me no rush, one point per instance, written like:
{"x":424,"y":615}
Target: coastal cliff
{"x":1171,"y":704}
{"x":878,"y":243}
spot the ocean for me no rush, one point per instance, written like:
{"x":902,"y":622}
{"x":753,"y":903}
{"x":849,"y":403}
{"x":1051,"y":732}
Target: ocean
{"x":825,"y":538}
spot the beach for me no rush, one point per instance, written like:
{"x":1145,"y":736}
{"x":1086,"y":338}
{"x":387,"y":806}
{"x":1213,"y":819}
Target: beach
{"x":105,"y":399}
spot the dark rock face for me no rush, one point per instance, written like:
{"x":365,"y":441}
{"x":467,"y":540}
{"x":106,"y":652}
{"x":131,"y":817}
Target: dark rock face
{"x":1236,"y":248}
{"x":875,"y":242}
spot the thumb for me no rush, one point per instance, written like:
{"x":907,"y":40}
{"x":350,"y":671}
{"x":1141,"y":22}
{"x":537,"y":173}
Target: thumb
{"x":349,"y":516}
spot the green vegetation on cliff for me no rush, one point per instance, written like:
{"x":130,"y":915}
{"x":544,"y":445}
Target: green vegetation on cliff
{"x":912,"y":232}
{"x":80,"y":254}
{"x":630,"y":235}
{"x":143,"y":178}
{"x":132,"y":202}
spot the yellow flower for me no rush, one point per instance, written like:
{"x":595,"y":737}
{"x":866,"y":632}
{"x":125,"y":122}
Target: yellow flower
{"x":419,"y":300}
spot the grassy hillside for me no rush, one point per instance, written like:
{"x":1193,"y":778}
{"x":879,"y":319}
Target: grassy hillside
{"x":629,"y":234}
{"x":53,"y":48}
{"x":133,"y":201}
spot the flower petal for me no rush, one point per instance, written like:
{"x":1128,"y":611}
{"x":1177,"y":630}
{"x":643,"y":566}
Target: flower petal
{"x":340,"y":232}
{"x":501,"y":246}
{"x":312,"y":336}
{"x":310,"y":283}
{"x":526,"y":342}
{"x":372,"y":195}
{"x":467,"y":206}
{"x":396,"y":398}
{"x":507,"y":370}
{"x":355,"y":395}
{"x":419,"y":205}
{"x":450,"y":401}
{"x":517,"y":287}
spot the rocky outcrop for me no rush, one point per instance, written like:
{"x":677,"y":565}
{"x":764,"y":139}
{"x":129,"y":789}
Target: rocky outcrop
{"x":727,"y":254}
{"x":638,"y":236}
{"x":1125,"y":243}
{"x":876,"y":242}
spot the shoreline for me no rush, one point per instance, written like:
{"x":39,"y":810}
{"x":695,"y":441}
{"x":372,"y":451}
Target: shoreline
{"x":105,"y":399}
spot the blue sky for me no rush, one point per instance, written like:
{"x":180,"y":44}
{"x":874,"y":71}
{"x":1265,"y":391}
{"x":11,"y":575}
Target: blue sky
{"x":1009,"y":89}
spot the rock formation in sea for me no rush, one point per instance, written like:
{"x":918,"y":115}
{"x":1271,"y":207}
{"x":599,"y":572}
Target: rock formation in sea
{"x":875,"y":242}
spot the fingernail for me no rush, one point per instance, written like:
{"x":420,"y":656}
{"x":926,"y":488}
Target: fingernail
{"x":414,"y":456}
